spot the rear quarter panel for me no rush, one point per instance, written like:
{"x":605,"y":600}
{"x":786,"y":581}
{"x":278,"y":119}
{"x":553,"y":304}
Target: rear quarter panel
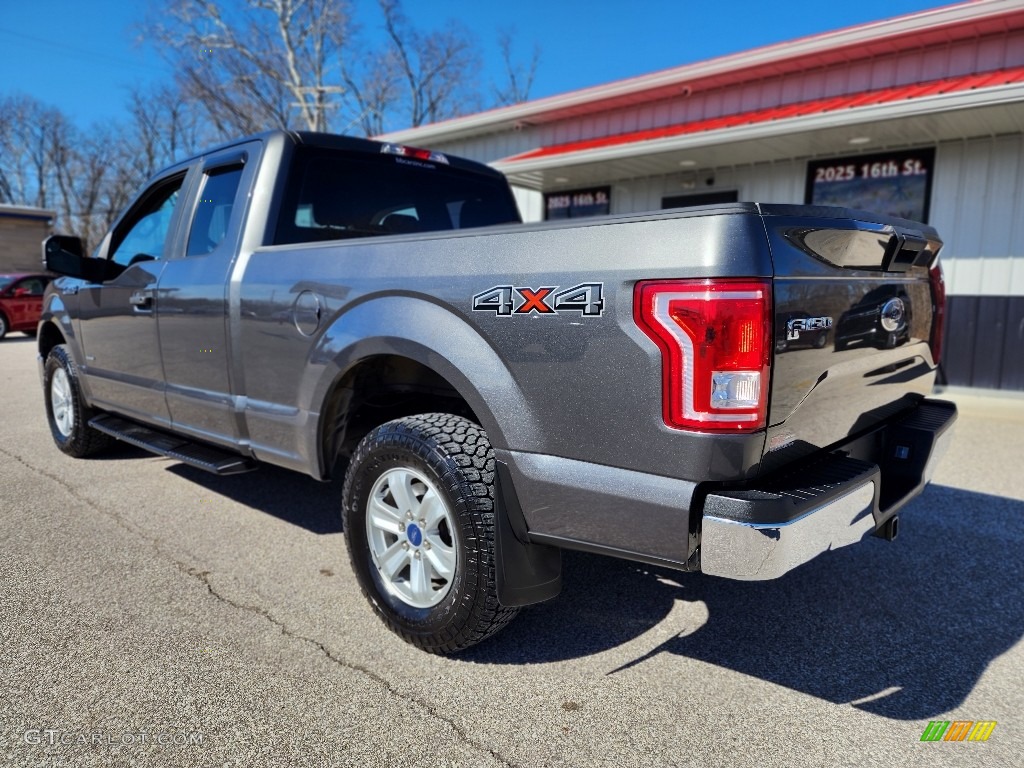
{"x":584,"y":388}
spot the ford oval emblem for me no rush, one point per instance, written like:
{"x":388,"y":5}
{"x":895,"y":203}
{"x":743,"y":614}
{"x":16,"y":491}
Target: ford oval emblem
{"x":893,"y":313}
{"x":414,"y":534}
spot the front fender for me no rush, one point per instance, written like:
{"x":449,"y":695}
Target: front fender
{"x":56,"y":317}
{"x":434,"y":336}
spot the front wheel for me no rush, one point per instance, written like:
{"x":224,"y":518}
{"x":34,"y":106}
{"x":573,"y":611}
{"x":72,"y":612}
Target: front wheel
{"x":66,"y":410}
{"x":418,"y":514}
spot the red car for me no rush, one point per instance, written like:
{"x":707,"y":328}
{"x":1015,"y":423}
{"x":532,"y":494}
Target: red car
{"x":21,"y":302}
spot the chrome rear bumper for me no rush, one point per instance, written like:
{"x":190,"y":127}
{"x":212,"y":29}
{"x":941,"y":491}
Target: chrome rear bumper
{"x":766,"y":531}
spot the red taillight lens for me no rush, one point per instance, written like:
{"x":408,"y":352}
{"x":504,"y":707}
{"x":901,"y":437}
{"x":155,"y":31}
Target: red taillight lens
{"x":938,"y":311}
{"x":715,"y":341}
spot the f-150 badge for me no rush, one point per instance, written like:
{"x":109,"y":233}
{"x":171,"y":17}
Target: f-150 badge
{"x":797,"y":324}
{"x":508,"y":300}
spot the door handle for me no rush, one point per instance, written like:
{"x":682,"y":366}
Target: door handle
{"x":142,"y":300}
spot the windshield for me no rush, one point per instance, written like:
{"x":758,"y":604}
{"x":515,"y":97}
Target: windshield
{"x":334,"y":194}
{"x":5,"y":280}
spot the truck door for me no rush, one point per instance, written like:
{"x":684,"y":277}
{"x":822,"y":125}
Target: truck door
{"x":193,"y":299}
{"x":118,"y":325}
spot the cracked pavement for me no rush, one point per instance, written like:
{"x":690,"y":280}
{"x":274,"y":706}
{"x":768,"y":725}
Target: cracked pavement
{"x":144,"y":597}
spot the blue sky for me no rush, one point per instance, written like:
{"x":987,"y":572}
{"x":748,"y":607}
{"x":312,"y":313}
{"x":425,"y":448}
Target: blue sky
{"x":83,"y":56}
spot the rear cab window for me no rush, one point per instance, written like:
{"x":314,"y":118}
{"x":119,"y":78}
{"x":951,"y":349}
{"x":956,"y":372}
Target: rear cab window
{"x":213,"y":210}
{"x":334,"y":194}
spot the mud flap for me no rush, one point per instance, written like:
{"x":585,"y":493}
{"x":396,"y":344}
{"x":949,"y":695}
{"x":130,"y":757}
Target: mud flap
{"x":525,"y":573}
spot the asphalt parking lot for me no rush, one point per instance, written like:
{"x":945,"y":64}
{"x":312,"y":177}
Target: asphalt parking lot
{"x":164,"y":616}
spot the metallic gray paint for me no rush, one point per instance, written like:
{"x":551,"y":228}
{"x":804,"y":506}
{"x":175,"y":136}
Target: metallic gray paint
{"x":191,"y":306}
{"x":536,"y":379}
{"x":572,"y":403}
{"x":582,"y":502}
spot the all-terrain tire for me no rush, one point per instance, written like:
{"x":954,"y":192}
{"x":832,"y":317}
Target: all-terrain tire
{"x":66,"y":411}
{"x":450,"y":457}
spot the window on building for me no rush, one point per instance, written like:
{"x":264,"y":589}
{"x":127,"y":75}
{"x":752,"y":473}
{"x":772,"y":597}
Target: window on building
{"x":893,"y":183}
{"x":578,"y":203}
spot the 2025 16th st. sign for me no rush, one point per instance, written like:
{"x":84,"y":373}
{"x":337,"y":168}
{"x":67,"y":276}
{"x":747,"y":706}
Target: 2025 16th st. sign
{"x":894,"y":183}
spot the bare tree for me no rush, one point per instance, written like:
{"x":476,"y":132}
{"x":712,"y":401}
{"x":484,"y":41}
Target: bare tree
{"x":256,"y":64}
{"x":253,"y":70}
{"x":436,"y":69}
{"x":165,"y":127}
{"x":88,"y":177}
{"x":519,"y":77}
{"x":372,"y":93}
{"x":24,"y":149}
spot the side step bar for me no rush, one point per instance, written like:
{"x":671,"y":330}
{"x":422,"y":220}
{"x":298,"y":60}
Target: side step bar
{"x":215,"y":460}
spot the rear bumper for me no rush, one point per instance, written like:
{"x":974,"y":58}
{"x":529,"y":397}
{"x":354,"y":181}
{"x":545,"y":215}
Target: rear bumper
{"x":764,"y":531}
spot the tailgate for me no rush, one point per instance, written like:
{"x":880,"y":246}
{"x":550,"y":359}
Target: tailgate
{"x":853,"y":326}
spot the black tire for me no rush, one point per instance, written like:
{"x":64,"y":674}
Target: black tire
{"x":79,"y":440}
{"x":3,"y":325}
{"x":821,"y":340}
{"x":455,"y":455}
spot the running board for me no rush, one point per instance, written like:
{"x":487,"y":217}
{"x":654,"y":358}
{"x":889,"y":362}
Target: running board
{"x":215,"y":460}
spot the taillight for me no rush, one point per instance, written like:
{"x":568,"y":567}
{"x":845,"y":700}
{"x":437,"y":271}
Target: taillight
{"x":938,"y":311}
{"x":415,"y":152}
{"x":715,"y":341}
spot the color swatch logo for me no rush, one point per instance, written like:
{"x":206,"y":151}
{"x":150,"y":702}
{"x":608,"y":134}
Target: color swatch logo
{"x":958,"y":730}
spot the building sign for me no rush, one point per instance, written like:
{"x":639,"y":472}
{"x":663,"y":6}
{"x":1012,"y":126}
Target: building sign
{"x":894,"y":183}
{"x":581,"y":202}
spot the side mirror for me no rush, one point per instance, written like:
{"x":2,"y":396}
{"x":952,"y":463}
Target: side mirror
{"x":64,"y":254}
{"x":19,"y":292}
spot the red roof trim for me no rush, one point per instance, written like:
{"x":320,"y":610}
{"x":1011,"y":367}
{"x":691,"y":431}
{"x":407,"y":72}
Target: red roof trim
{"x":799,"y":109}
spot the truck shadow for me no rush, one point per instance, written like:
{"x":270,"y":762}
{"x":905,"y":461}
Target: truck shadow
{"x":289,"y":496}
{"x":902,"y":630}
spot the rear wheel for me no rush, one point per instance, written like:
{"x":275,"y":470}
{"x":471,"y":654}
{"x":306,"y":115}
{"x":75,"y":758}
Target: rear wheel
{"x":66,"y":410}
{"x":418,"y":509}
{"x":3,"y":325}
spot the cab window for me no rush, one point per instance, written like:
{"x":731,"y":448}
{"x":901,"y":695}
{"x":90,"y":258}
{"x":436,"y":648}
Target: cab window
{"x":335,"y":194}
{"x":213,"y":211}
{"x":143,"y":235}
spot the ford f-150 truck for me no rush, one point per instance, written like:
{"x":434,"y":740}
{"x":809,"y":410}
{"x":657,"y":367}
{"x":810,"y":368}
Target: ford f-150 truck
{"x":666,"y":387}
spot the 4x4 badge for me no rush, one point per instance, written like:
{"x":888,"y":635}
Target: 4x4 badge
{"x":508,"y":300}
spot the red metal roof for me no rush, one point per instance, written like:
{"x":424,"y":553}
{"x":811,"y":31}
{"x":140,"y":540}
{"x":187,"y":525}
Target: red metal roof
{"x":798,"y":109}
{"x":930,"y":29}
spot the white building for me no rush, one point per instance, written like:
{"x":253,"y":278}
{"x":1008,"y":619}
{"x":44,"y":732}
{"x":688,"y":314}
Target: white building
{"x":920,"y":116}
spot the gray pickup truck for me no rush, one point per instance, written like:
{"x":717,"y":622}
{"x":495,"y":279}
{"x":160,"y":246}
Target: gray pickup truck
{"x":732,"y":389}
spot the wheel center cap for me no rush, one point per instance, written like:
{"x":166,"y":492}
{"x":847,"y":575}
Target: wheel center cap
{"x":414,"y":534}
